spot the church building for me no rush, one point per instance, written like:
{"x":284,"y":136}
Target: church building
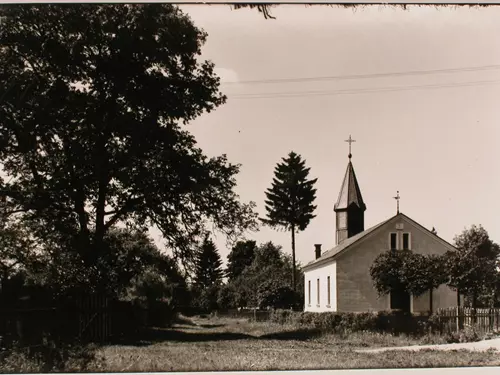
{"x":339,"y":279}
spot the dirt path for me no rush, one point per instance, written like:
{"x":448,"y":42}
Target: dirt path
{"x":479,"y":346}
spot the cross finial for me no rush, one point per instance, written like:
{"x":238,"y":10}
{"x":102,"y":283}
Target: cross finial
{"x":350,"y":140}
{"x":397,"y":198}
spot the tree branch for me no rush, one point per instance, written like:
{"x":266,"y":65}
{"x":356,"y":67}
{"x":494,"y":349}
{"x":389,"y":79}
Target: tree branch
{"x":129,"y":204}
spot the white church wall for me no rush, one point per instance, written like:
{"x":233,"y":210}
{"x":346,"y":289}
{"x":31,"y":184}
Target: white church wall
{"x":323,"y":273}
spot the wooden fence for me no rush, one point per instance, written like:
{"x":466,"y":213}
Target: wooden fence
{"x":94,"y":317}
{"x":453,"y":319}
{"x":81,"y":317}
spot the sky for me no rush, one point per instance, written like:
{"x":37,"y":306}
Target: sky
{"x":418,"y":90}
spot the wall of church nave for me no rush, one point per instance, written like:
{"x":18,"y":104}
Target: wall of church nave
{"x":355,"y":289}
{"x":324,"y":276}
{"x":442,"y":297}
{"x":421,"y":304}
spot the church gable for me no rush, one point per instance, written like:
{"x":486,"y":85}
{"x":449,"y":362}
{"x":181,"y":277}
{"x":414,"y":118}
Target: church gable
{"x":354,"y":284}
{"x":398,"y":233}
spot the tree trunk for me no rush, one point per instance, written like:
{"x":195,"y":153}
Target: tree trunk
{"x":458,"y":298}
{"x":430,"y":300}
{"x":3,"y":282}
{"x":293,"y":258}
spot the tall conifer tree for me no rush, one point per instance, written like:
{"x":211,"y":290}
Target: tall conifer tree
{"x":290,"y":199}
{"x":208,"y":265}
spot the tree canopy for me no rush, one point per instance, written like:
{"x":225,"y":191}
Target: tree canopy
{"x":413,"y":273}
{"x":241,"y":256}
{"x":93,"y":98}
{"x":265,"y":282}
{"x":473,"y":267}
{"x":388,"y":271}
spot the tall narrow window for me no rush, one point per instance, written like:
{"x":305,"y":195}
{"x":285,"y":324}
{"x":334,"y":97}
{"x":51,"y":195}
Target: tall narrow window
{"x":309,"y":292}
{"x":328,"y":288}
{"x":406,"y":241}
{"x":394,"y":241}
{"x":317,"y":290}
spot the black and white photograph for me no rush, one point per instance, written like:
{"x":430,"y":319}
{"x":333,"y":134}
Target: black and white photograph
{"x":194,"y":187}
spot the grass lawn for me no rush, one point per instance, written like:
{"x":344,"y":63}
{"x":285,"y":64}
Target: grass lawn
{"x":220,"y":344}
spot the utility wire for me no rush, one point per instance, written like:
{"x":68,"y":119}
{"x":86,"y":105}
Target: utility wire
{"x":359,"y":91}
{"x":365,"y":76}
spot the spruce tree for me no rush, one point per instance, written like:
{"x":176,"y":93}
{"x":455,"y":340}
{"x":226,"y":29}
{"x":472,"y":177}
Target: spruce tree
{"x":208,"y":265}
{"x":290,"y":199}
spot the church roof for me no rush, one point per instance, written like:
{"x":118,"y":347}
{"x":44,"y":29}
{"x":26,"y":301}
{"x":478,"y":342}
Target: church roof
{"x":349,"y":192}
{"x":346,"y":244}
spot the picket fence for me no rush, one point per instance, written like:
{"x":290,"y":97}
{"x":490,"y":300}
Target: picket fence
{"x":454,"y":319}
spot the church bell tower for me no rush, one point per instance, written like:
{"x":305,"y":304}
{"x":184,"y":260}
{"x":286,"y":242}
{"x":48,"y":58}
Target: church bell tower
{"x":350,"y":208}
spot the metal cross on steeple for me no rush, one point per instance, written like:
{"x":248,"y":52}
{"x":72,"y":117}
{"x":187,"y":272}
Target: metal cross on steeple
{"x":397,"y":198}
{"x":350,"y":140}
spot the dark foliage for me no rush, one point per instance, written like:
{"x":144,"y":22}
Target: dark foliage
{"x":208,"y":265}
{"x":473,"y":267}
{"x":93,"y":98}
{"x":264,"y":283}
{"x":208,"y":277}
{"x":404,"y":270}
{"x":240,"y":257}
{"x":388,"y":271}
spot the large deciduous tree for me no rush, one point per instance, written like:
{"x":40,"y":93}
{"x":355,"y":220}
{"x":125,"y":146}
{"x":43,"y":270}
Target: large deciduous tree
{"x":93,"y":98}
{"x":473,"y":267}
{"x":289,"y":203}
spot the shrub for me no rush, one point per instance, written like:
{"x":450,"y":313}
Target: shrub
{"x":283,"y":317}
{"x":50,"y":357}
{"x":468,"y":334}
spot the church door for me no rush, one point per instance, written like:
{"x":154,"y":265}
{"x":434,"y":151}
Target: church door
{"x":400,"y":300}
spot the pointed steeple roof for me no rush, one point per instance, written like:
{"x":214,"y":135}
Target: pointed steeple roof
{"x":349,"y":192}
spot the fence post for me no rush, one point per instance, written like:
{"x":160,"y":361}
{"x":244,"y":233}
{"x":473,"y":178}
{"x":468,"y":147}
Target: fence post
{"x":461,"y":312}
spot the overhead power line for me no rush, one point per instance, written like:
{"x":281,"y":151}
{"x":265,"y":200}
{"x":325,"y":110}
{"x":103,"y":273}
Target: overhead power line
{"x":365,"y":76}
{"x":361,"y":91}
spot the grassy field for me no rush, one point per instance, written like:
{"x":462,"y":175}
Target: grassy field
{"x":220,"y":344}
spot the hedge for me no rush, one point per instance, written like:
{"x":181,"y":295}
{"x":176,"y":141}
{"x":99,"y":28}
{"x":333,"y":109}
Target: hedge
{"x":342,"y":322}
